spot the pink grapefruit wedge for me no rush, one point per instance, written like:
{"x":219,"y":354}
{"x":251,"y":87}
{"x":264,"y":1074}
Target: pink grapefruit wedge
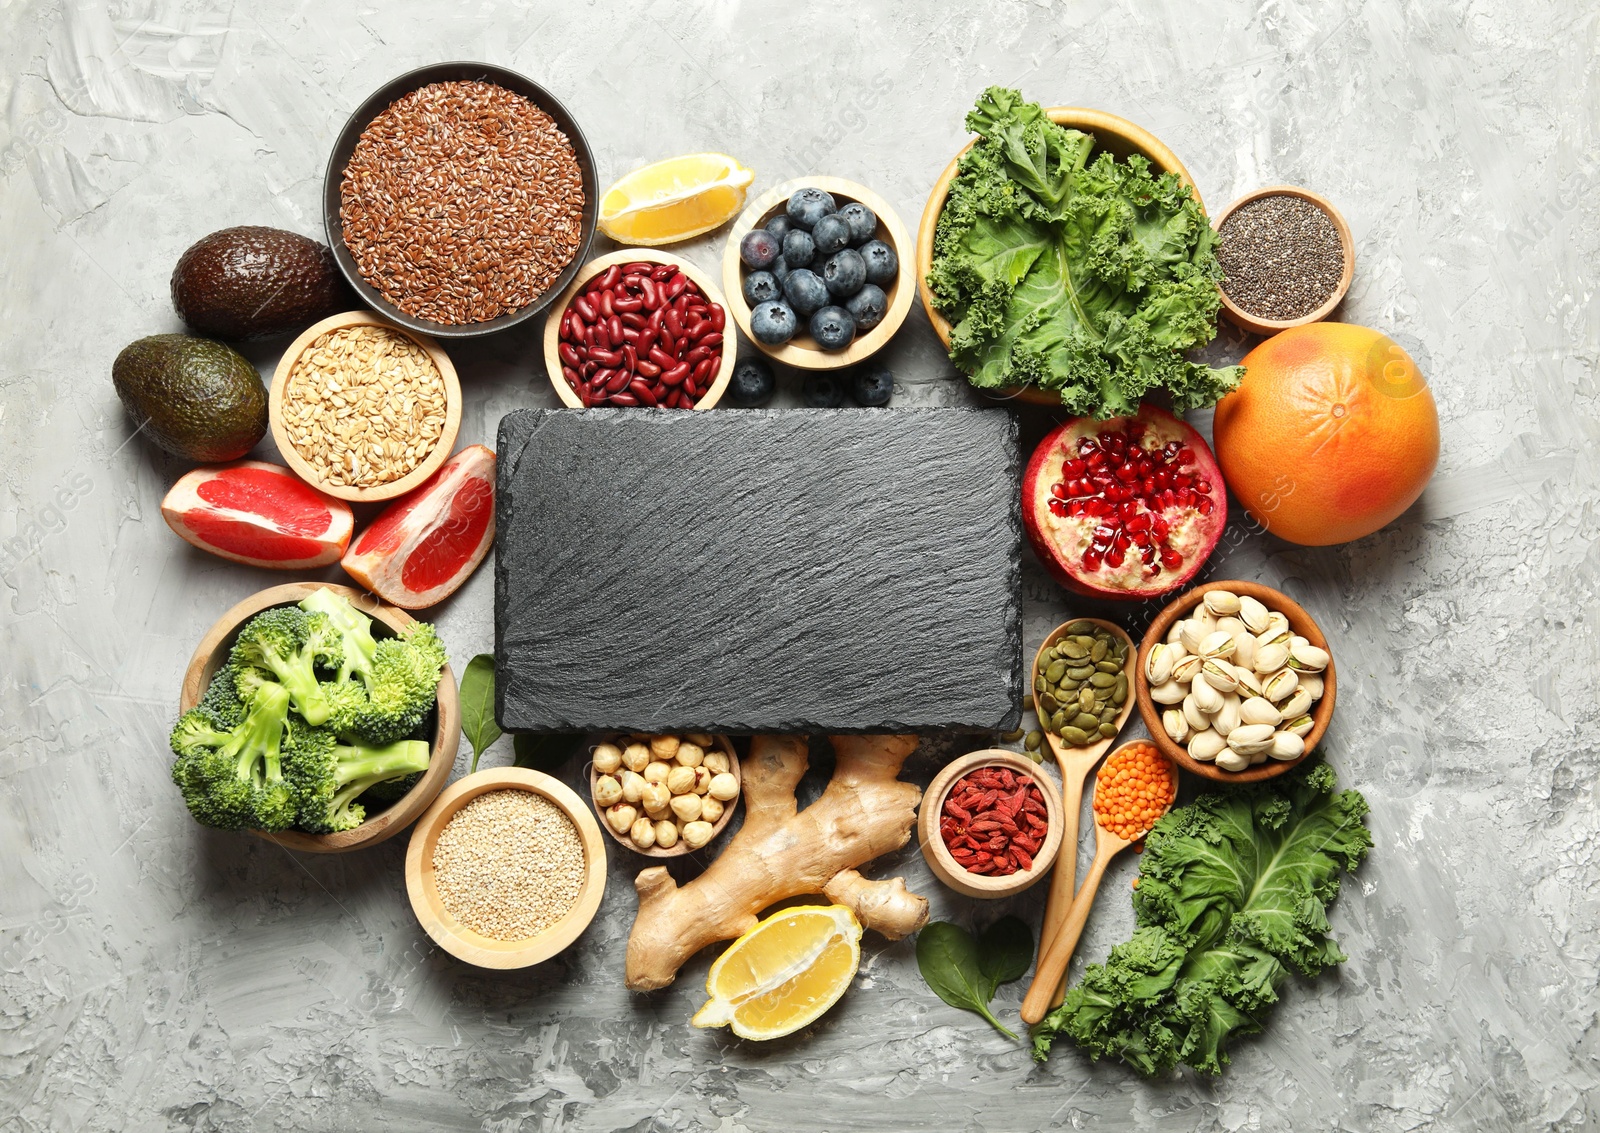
{"x":258,"y":513}
{"x":422,"y":547}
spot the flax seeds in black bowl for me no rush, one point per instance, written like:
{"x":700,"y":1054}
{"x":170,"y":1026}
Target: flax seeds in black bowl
{"x":460,"y":199}
{"x":1285,"y":258}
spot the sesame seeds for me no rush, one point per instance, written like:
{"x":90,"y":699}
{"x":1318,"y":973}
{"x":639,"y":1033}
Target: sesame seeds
{"x":462,"y":202}
{"x":364,"y":405}
{"x":509,"y":864}
{"x":1281,"y":257}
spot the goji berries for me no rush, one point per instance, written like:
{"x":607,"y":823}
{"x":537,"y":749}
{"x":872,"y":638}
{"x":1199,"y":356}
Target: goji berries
{"x":993,"y":821}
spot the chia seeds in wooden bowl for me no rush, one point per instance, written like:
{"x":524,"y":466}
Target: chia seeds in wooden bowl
{"x":1286,"y":257}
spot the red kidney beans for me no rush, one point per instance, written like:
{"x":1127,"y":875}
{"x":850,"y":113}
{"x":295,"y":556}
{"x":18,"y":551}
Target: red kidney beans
{"x":641,"y":334}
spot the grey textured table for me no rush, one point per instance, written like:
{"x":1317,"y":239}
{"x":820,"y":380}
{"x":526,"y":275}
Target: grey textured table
{"x":157,"y":976}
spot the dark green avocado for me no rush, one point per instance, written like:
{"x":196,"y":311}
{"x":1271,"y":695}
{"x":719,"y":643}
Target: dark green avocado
{"x":253,"y":282}
{"x":196,"y":398}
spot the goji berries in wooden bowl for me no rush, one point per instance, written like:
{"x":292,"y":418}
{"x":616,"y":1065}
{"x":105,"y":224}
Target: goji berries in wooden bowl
{"x":640,"y":327}
{"x":990,"y":824}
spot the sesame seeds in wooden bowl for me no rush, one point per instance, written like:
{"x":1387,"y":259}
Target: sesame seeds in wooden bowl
{"x":506,"y":869}
{"x":362,"y":409}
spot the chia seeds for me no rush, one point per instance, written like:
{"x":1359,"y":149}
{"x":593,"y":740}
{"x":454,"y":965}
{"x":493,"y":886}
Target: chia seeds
{"x":1281,"y":257}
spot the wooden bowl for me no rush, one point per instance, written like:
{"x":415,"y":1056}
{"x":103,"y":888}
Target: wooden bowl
{"x":436,"y":456}
{"x":376,"y":103}
{"x":552,"y":325}
{"x":802,"y":350}
{"x":724,"y":745}
{"x":945,"y":867}
{"x":1252,"y":323}
{"x":212,"y":653}
{"x":455,"y":937}
{"x":1115,"y":135}
{"x":1299,"y":621}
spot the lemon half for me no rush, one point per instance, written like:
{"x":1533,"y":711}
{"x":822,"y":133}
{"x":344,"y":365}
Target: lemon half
{"x":784,"y":973}
{"x":675,"y":199}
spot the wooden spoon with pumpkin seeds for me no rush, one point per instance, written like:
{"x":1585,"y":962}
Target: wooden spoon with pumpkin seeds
{"x":1076,"y":760}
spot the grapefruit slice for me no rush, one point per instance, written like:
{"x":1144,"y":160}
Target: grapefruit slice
{"x":258,"y":513}
{"x":422,"y":547}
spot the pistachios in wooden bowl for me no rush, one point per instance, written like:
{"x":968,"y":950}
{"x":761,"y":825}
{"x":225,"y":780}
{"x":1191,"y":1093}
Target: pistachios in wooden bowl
{"x":1235,"y":682}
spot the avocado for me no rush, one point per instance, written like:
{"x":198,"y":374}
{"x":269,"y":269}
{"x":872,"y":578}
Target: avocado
{"x":253,"y":282}
{"x":193,"y":397}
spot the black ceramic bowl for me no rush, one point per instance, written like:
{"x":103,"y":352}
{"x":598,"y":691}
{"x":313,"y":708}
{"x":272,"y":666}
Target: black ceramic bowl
{"x":375,"y":105}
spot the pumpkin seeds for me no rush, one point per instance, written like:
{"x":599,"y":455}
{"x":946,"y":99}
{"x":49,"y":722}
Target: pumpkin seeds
{"x":1082,"y":684}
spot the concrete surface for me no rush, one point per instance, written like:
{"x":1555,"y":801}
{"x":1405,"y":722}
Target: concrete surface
{"x":154,"y":975}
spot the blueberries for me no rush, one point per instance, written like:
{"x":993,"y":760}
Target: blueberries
{"x":761,"y":287}
{"x":807,"y":206}
{"x":821,"y":391}
{"x":830,"y":234}
{"x":844,"y":273}
{"x":805,"y":291}
{"x":752,"y":383}
{"x":772,"y":323}
{"x":860,"y":220}
{"x":871,"y":384}
{"x":867,"y":306}
{"x":882,"y":263}
{"x":780,"y":270}
{"x":779,"y":227}
{"x":833,"y":328}
{"x":798,"y":248}
{"x":759,"y":248}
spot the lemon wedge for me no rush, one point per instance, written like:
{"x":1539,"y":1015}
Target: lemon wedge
{"x":675,"y":199}
{"x":784,"y":973}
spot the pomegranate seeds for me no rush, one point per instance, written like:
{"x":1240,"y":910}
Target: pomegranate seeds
{"x":1125,"y":508}
{"x":993,"y":821}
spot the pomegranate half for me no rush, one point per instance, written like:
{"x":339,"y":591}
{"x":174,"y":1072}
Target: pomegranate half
{"x":1125,"y":508}
{"x":258,"y":513}
{"x":423,"y":546}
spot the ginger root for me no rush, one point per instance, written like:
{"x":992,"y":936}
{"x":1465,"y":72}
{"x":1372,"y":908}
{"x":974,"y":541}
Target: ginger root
{"x":782,"y":852}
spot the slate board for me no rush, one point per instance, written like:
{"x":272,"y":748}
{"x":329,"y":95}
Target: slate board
{"x":804,"y":570}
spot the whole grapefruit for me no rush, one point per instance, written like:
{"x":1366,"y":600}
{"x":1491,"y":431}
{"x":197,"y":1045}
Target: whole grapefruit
{"x":1332,"y":434}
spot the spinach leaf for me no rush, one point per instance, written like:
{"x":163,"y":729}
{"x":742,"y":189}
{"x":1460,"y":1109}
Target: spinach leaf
{"x":1005,"y":952}
{"x":965,"y":972}
{"x":544,"y":752}
{"x":477,"y":705}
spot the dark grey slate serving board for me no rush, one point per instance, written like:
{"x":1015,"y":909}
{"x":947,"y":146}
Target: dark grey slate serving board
{"x":749,"y":570}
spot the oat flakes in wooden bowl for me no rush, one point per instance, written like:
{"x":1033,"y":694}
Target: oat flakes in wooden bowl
{"x":362,"y":409}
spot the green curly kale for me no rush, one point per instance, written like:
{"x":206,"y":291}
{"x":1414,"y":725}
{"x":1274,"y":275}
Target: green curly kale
{"x":1087,"y":278}
{"x":1233,"y":895}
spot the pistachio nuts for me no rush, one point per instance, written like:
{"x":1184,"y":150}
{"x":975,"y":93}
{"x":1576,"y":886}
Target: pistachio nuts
{"x":1235,"y":683}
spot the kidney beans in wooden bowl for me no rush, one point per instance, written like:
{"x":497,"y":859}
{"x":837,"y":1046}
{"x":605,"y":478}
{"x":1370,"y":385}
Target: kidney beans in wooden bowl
{"x":640,"y":327}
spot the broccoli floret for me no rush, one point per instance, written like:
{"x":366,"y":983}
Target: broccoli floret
{"x":391,"y":790}
{"x":354,"y":629}
{"x":288,"y":644}
{"x":222,"y":699}
{"x":328,"y":774}
{"x":404,"y":687}
{"x":232,"y":777}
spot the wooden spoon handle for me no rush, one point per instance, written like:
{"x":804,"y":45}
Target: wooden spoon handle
{"x":1052,"y":969}
{"x":1064,"y":880}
